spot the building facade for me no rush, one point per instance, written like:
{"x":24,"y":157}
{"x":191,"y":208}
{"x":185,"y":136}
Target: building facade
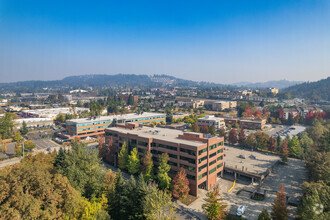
{"x":85,"y":127}
{"x":211,"y":120}
{"x":200,"y":155}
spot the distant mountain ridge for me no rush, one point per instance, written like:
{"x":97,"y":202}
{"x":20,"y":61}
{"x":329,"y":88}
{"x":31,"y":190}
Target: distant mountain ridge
{"x":319,"y":90}
{"x":104,"y":81}
{"x":279,"y":84}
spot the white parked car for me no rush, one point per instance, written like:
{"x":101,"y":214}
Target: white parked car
{"x":240,"y":210}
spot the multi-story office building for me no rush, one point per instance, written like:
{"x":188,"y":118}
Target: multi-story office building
{"x":199,"y":154}
{"x":85,"y":127}
{"x":211,"y":120}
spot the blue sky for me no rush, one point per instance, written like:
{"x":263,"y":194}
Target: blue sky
{"x":221,"y":41}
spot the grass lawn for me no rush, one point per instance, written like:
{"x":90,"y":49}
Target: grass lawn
{"x":188,"y":200}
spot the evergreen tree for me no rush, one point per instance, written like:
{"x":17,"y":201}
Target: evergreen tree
{"x":279,"y":209}
{"x":24,"y":129}
{"x":147,"y":167}
{"x":241,"y":137}
{"x":157,"y":204}
{"x":284,"y":152}
{"x":180,"y":185}
{"x":133,"y":162}
{"x":232,"y":138}
{"x":264,"y":215}
{"x":141,"y":192}
{"x":129,"y":197}
{"x":81,"y":166}
{"x":116,"y":203}
{"x":163,"y":169}
{"x":214,"y":207}
{"x":59,"y":162}
{"x":123,"y":157}
{"x":294,"y":147}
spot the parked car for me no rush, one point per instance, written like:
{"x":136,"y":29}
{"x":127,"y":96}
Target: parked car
{"x":240,"y":210}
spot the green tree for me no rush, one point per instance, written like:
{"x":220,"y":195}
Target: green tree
{"x":279,"y":209}
{"x":33,"y":189}
{"x":7,"y":125}
{"x":123,"y":157}
{"x":18,"y":137}
{"x":24,"y":129}
{"x":163,"y":169}
{"x":116,"y":203}
{"x":306,"y":142}
{"x":180,"y":185}
{"x":29,"y":145}
{"x":264,"y":215}
{"x":250,"y":141}
{"x":133,"y":162}
{"x":294,"y":147}
{"x":147,"y":167}
{"x":157,"y":204}
{"x":315,"y":203}
{"x":60,"y":118}
{"x":82,"y":168}
{"x":214,"y":206}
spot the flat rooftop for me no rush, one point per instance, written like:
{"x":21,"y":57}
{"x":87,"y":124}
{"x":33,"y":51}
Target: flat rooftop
{"x":259,"y":165}
{"x":118,"y":117}
{"x":164,"y":134}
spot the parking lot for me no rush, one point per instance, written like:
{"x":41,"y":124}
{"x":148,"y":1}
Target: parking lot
{"x":284,"y":130}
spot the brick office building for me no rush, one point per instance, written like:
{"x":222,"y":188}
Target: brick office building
{"x":199,"y":154}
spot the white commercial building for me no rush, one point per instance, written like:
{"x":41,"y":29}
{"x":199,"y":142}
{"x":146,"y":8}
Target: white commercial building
{"x":51,"y":112}
{"x":33,"y":123}
{"x":211,"y":120}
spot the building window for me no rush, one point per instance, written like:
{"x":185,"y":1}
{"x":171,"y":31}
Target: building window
{"x":220,"y":158}
{"x":173,"y":156}
{"x":167,"y":147}
{"x":192,"y":177}
{"x":145,"y":144}
{"x":202,"y":159}
{"x":212,"y":171}
{"x":219,"y":165}
{"x":202,"y":151}
{"x":212,"y":162}
{"x":213,"y":146}
{"x":202,"y":167}
{"x":191,"y":169}
{"x":220,"y":151}
{"x":172,"y":163}
{"x":190,"y":160}
{"x":212,"y":155}
{"x":141,"y":150}
{"x":190,"y":152}
{"x":202,"y":175}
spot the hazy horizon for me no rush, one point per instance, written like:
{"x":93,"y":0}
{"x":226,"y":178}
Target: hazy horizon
{"x":217,"y":41}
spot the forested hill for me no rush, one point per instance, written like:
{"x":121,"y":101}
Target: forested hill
{"x":103,"y":81}
{"x":318,"y":90}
